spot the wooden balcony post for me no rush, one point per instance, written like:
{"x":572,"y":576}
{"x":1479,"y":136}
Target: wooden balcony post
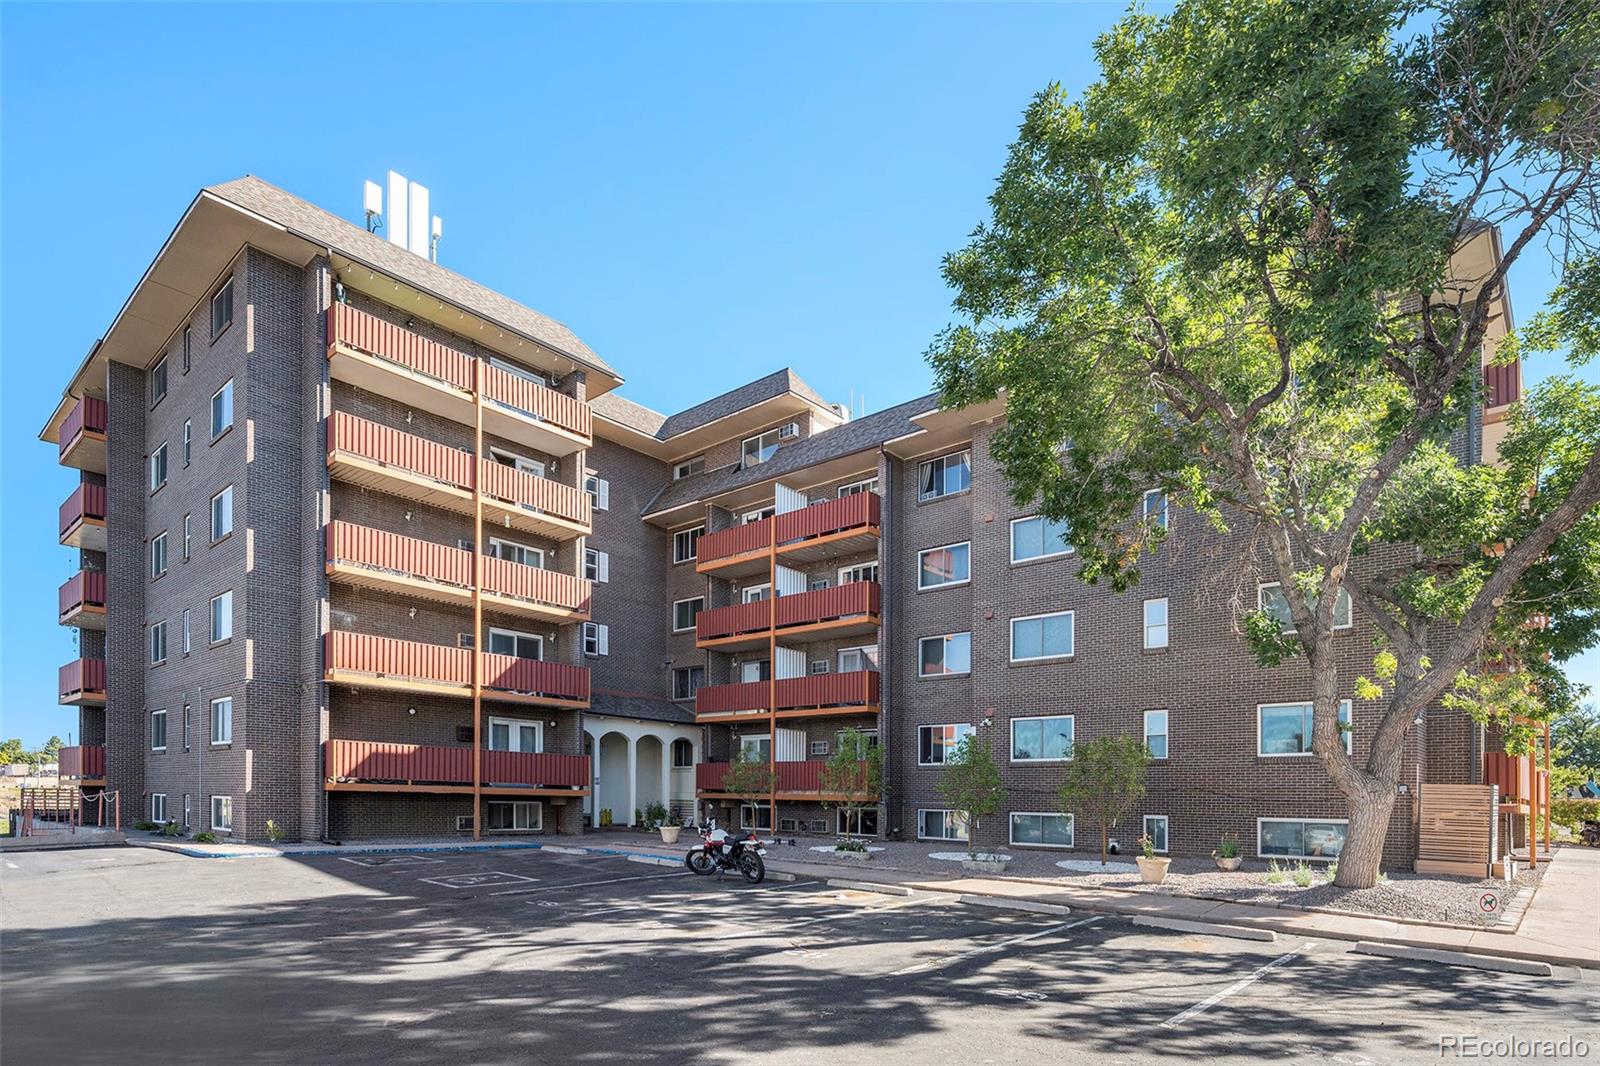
{"x":477,"y":600}
{"x":772,"y":669}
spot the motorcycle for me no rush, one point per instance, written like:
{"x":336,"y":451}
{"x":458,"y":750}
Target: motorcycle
{"x":718,"y":852}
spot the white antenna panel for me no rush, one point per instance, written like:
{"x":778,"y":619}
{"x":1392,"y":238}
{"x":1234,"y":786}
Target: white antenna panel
{"x":399,"y":230}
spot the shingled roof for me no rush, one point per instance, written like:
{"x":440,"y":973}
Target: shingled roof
{"x":664,"y":427}
{"x":323,"y":227}
{"x":638,"y":705}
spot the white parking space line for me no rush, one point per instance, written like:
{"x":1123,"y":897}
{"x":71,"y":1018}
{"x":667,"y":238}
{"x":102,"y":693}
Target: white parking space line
{"x":376,"y":861}
{"x":476,"y":880}
{"x":589,"y":884}
{"x":989,"y":949}
{"x":1233,"y":989}
{"x":789,"y":927}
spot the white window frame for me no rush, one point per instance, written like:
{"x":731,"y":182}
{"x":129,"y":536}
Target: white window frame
{"x":688,"y":537}
{"x":745,"y":459}
{"x":163,"y":716}
{"x":226,"y":617}
{"x":597,"y":566}
{"x":688,"y":674}
{"x":224,"y":293}
{"x":158,"y":467}
{"x":946,"y":638}
{"x":187,"y":631}
{"x":497,"y":545}
{"x":1303,"y":821}
{"x":1166,"y":730}
{"x":157,"y":629}
{"x":1287,"y":626}
{"x":844,"y":818}
{"x":676,"y":628}
{"x":673,"y":749}
{"x":954,"y":582}
{"x":954,"y":818}
{"x":224,"y":735}
{"x":188,"y":810}
{"x":1011,"y":829}
{"x":188,"y":536}
{"x":687,"y":468}
{"x":762,"y":820}
{"x":818,"y":667}
{"x":188,"y":348}
{"x":756,"y":593}
{"x":158,"y":373}
{"x":158,"y":555}
{"x":158,"y":807}
{"x":923,"y":496}
{"x":1345,"y":712}
{"x":188,"y":441}
{"x":517,"y":636}
{"x":856,"y":488}
{"x":960,"y":731}
{"x":1166,"y":830}
{"x":226,"y":496}
{"x":817,"y":747}
{"x":520,"y":463}
{"x":866,"y":662}
{"x":757,"y":514}
{"x":1165,"y":625}
{"x":1015,"y":522}
{"x":849,"y":575}
{"x":599,"y":490}
{"x":1011,"y":738}
{"x":1072,"y":636}
{"x":513,"y":731}
{"x":596,"y":640}
{"x":518,"y":808}
{"x":1165,"y":521}
{"x":223,"y":822}
{"x":226,"y":393}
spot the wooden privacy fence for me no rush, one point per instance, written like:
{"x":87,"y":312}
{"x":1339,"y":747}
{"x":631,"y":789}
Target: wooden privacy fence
{"x":1455,"y":830}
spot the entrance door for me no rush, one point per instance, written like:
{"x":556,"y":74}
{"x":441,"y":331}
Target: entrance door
{"x":755,"y":670}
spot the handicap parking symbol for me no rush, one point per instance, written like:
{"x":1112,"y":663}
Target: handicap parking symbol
{"x":486,"y":879}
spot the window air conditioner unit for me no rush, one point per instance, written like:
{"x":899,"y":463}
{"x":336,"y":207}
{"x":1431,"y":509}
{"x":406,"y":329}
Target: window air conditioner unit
{"x":789,"y":432}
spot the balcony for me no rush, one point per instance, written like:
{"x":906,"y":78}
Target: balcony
{"x":365,"y":766}
{"x":82,"y":683}
{"x":83,"y":600}
{"x":796,"y":780}
{"x":390,"y":360}
{"x":83,"y":518}
{"x":1518,"y":778}
{"x":376,"y":558}
{"x":85,"y":763}
{"x":362,"y":452}
{"x":815,"y":696}
{"x":842,"y":611}
{"x":845,"y":526}
{"x":81,"y":440}
{"x":365,"y":661}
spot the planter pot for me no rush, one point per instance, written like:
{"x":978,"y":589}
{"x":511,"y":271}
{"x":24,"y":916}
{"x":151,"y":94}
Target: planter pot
{"x":669,"y":833}
{"x":1153,"y":871}
{"x":1229,"y":865}
{"x":853,"y":856}
{"x":985,"y":866}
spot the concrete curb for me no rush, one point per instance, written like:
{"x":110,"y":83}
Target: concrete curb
{"x":1001,"y":903}
{"x":869,"y":886}
{"x":652,"y":860}
{"x":1497,"y":963}
{"x":1183,"y":925}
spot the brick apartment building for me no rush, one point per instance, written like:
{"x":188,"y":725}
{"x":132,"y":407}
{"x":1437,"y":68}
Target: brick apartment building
{"x":366,"y":549}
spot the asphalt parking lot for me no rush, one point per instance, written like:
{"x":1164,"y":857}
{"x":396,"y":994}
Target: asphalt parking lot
{"x":132,"y":956}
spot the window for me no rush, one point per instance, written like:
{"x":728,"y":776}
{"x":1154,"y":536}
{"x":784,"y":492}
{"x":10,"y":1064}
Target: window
{"x":1038,"y":538}
{"x":755,"y":816}
{"x":755,"y":593}
{"x":515,"y":734}
{"x":1155,"y":623}
{"x":222,"y":409}
{"x":187,"y":811}
{"x":945,"y":476}
{"x":186,"y":631}
{"x":1042,"y":636}
{"x":859,"y":572}
{"x":936,"y":743}
{"x":222,"y":309}
{"x":1270,"y":598}
{"x":1155,"y":733}
{"x":1285,"y":728}
{"x":817,"y":666}
{"x":1155,"y":508}
{"x":861,"y":822}
{"x":188,"y":440}
{"x":682,"y":754}
{"x":819,"y":747}
{"x":185,"y":727}
{"x":222,"y":720}
{"x":158,"y":643}
{"x":188,"y":348}
{"x":686,"y":544}
{"x":1300,"y":838}
{"x":757,"y":515}
{"x":1043,"y":739}
{"x":158,"y":555}
{"x":941,"y":825}
{"x":1155,"y":827}
{"x":158,"y":468}
{"x":755,"y":670}
{"x":158,"y":381}
{"x":222,"y":813}
{"x":188,"y":536}
{"x":949,"y":565}
{"x":852,"y":659}
{"x":515,"y":816}
{"x":1038,"y":829}
{"x":222,"y":514}
{"x":222,"y":617}
{"x":158,"y":806}
{"x":596,"y":565}
{"x":857,"y":488}
{"x":684,"y":612}
{"x":868,"y":735}
{"x":686,"y":681}
{"x":596,"y":639}
{"x":512,"y":552}
{"x":689,"y":467}
{"x":759,"y":449}
{"x":520,"y":463}
{"x":158,"y":730}
{"x":515,"y":643}
{"x":949,"y":654}
{"x":599,"y":490}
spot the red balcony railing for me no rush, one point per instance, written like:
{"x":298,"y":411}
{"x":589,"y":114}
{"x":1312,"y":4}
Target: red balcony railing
{"x":505,"y":578}
{"x":371,"y":334}
{"x":531,"y":492}
{"x":87,"y":416}
{"x":536,"y":401}
{"x":359,"y":760}
{"x":87,"y":502}
{"x":793,"y":777}
{"x":410,"y":660}
{"x":1502,"y":384}
{"x":80,"y":678}
{"x":805,"y":608}
{"x":86,"y":588}
{"x":736,"y":540}
{"x":85,"y":761}
{"x":1517,"y":776}
{"x":406,"y":451}
{"x":862,"y":510}
{"x":852,"y":688}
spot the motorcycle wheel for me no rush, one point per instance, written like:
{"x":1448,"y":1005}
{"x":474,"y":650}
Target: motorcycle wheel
{"x":700,"y":862}
{"x":752,"y":867}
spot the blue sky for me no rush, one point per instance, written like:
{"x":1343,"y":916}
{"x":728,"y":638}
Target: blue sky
{"x":705,"y":194}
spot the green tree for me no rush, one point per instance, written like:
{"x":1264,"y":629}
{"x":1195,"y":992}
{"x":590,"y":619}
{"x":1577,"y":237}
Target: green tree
{"x":853,"y":776}
{"x":11,"y":751}
{"x":1575,"y":741}
{"x":1255,"y":266}
{"x":52,"y":749}
{"x":752,"y":780}
{"x":971,"y":784}
{"x":1105,"y":780}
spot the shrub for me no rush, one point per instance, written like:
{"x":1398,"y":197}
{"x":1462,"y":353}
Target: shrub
{"x":274,"y":831}
{"x":1228,"y":849}
{"x":172,"y":829}
{"x":205,"y":836}
{"x":1383,"y":878}
{"x":146,"y":824}
{"x":1274,"y":873}
{"x":1572,"y":813}
{"x":1302,"y":875}
{"x":1332,"y":871}
{"x":850,"y":845}
{"x":655,"y":814}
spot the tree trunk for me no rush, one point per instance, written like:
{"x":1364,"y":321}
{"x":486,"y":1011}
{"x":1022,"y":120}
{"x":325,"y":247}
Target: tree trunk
{"x":1371,"y":803}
